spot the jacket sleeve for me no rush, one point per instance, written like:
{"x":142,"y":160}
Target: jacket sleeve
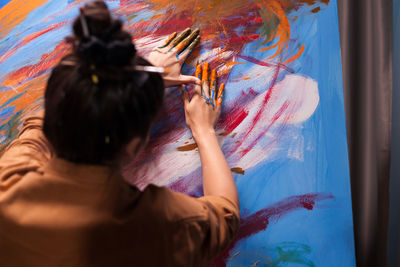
{"x":28,"y":152}
{"x":202,"y":238}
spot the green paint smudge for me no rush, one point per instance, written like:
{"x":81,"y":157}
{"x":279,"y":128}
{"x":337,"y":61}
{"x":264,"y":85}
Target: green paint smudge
{"x":9,"y":131}
{"x":291,"y":252}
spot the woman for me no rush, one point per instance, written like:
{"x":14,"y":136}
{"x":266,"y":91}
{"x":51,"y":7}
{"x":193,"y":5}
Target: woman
{"x":63,"y":201}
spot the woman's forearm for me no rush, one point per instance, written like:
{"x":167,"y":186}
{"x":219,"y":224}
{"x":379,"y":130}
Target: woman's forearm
{"x":217,"y":176}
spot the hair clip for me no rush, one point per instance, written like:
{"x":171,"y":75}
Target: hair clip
{"x":150,"y":69}
{"x":95,"y":79}
{"x":137,"y":68}
{"x":85,"y":27}
{"x":68,"y":63}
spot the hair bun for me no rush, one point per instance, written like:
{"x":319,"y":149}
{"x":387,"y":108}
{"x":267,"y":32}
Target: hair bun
{"x":103,"y":42}
{"x":99,"y":52}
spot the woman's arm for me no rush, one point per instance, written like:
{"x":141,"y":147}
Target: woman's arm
{"x":201,"y":118}
{"x":28,"y":152}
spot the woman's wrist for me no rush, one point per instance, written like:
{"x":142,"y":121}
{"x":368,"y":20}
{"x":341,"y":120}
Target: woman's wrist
{"x":201,"y":135}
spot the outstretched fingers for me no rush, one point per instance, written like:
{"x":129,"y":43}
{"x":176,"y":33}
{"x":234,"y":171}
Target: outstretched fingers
{"x":204,"y":83}
{"x":213,"y":84}
{"x":186,"y":46}
{"x":220,"y":95}
{"x":179,"y":38}
{"x":168,"y":40}
{"x":208,"y":89}
{"x":198,"y":87}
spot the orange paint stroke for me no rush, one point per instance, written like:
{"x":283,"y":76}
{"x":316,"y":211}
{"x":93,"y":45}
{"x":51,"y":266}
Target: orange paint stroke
{"x":233,"y":63}
{"x":34,"y":90}
{"x":15,"y":12}
{"x":268,"y":47}
{"x":295,"y":56}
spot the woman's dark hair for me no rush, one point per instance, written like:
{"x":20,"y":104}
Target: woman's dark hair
{"x":95,"y":102}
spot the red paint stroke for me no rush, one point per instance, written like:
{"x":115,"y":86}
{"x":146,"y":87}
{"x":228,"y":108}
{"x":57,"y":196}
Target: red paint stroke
{"x":238,"y":117}
{"x":276,"y":116}
{"x":46,"y":62}
{"x":257,"y":116}
{"x":265,"y":64}
{"x":260,"y":220}
{"x":29,"y":38}
{"x":265,"y":101}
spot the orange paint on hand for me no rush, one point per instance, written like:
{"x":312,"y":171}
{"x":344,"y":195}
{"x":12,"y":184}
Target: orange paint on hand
{"x":181,"y":45}
{"x":212,"y":87}
{"x":205,"y":73}
{"x":198,"y":72}
{"x":220,"y":94}
{"x":169,"y":39}
{"x":213,"y":80}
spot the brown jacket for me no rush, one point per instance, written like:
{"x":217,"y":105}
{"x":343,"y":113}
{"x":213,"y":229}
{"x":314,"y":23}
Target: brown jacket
{"x":57,"y":213}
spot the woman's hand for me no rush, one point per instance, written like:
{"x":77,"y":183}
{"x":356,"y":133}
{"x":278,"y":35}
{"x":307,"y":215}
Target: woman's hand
{"x":172,"y":54}
{"x":202,"y":113}
{"x":204,"y":109}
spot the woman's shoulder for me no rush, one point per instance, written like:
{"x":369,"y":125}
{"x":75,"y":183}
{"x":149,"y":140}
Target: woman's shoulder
{"x":172,"y":206}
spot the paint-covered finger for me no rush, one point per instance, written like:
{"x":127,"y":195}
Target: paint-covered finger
{"x":168,"y":40}
{"x":185,"y":79}
{"x":190,"y":48}
{"x":220,"y":95}
{"x":180,"y":37}
{"x":204,"y":83}
{"x":213,"y":83}
{"x":197,"y":73}
{"x":187,"y":41}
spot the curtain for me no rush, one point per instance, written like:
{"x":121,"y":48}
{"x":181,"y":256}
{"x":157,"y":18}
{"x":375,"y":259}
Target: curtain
{"x":394,"y":212}
{"x":366,"y":42}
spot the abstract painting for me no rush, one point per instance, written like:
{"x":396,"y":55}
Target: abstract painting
{"x":282,"y":128}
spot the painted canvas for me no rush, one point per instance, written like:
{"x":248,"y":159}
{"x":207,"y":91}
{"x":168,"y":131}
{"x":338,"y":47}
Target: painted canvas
{"x":282,"y":128}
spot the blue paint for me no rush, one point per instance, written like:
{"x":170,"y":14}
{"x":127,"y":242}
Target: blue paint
{"x":12,"y":99}
{"x":6,"y":113}
{"x":329,"y":230}
{"x":326,"y":232}
{"x":4,"y":2}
